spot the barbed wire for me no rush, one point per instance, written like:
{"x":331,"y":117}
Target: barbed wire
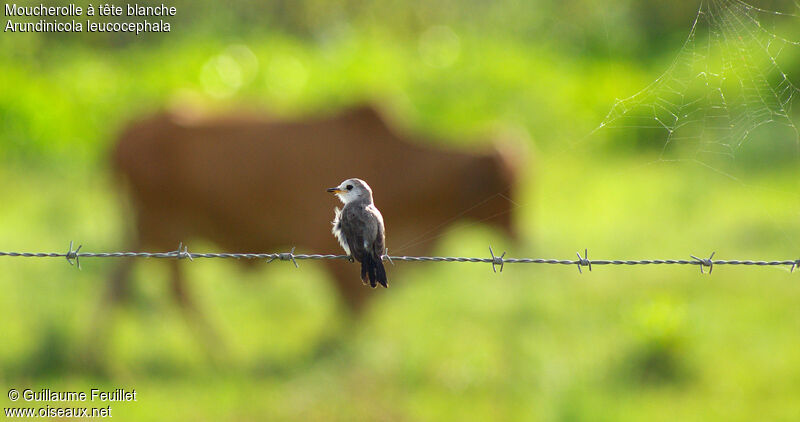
{"x":74,"y":255}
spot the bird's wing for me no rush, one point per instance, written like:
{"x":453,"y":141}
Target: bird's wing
{"x":379,"y":245}
{"x":360,"y":229}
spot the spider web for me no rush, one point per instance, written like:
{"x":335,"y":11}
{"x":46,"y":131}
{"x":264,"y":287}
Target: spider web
{"x":725,"y":91}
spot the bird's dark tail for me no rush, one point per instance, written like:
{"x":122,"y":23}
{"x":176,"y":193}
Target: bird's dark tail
{"x":372,"y":270}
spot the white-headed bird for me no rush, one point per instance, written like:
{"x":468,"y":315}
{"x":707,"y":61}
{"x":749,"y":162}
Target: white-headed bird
{"x":359,"y":228}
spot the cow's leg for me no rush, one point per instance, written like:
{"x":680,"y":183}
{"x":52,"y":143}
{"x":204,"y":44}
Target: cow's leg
{"x":214,"y":348}
{"x":119,"y":284}
{"x":350,"y":287}
{"x":117,"y":290}
{"x":178,"y":287}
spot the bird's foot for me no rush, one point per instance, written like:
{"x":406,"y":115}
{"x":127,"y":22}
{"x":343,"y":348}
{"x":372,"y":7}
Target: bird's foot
{"x":351,"y":259}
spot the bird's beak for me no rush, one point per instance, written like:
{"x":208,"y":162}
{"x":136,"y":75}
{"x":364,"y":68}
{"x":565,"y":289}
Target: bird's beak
{"x":334,"y":190}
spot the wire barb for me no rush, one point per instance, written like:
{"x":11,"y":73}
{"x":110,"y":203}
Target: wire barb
{"x":497,"y":260}
{"x":287,"y":256}
{"x":583,"y":261}
{"x":795,"y":264}
{"x":387,"y":256}
{"x":183,"y":252}
{"x":705,"y":262}
{"x":73,"y":255}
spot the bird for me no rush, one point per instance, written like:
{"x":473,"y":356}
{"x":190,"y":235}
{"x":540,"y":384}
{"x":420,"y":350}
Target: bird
{"x":359,"y":228}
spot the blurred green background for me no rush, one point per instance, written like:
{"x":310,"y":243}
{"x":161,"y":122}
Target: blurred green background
{"x":447,"y":341}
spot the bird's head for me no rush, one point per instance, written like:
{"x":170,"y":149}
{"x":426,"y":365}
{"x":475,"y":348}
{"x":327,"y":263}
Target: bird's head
{"x":352,"y":190}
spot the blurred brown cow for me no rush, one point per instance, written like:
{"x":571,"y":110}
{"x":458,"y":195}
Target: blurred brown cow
{"x":252,"y":184}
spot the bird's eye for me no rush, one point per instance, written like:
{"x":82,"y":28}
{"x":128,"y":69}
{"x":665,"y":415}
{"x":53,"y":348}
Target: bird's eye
{"x":349,"y":187}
